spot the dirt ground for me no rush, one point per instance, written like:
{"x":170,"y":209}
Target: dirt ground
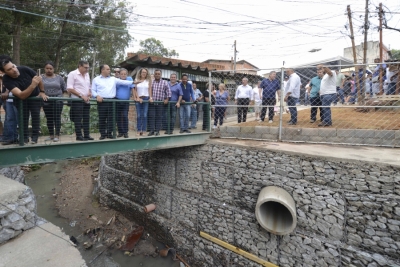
{"x":101,"y":224}
{"x":343,"y":118}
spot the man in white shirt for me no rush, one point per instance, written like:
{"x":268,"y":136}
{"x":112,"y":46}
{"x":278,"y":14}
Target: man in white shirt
{"x":328,"y":94}
{"x":292,"y":94}
{"x":257,"y":91}
{"x":104,"y":87}
{"x":243,"y":96}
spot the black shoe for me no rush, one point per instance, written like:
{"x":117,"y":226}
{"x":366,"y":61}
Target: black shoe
{"x":324,"y":125}
{"x":80,"y":138}
{"x":187,"y":131}
{"x":120,"y":135}
{"x":89,"y":138}
{"x":102,"y":137}
{"x":110,"y":136}
{"x":34,"y":140}
{"x":26,"y":140}
{"x":150,"y":134}
{"x":157,"y":133}
{"x":126,"y":135}
{"x":6,"y":143}
{"x":291,"y":123}
{"x":181,"y":131}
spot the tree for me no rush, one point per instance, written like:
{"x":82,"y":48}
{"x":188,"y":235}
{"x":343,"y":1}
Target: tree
{"x":395,"y":54}
{"x":154,"y":47}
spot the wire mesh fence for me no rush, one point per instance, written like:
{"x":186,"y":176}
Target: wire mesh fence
{"x":63,"y":120}
{"x":358,"y":105}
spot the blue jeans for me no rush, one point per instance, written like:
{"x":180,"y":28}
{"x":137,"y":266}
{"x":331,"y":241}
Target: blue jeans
{"x":184,"y":114}
{"x":340,"y":95}
{"x":391,"y":89}
{"x":10,"y":132}
{"x":193,"y":116}
{"x":326,"y":110}
{"x":172,"y":116}
{"x":291,"y":102}
{"x":141,"y":113}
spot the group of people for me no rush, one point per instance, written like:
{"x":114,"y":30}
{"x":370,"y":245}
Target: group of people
{"x":151,"y":97}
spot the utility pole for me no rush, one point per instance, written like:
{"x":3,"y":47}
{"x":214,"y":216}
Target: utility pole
{"x":234,"y":60}
{"x":353,"y":45}
{"x":362,"y":89}
{"x":380,"y":49}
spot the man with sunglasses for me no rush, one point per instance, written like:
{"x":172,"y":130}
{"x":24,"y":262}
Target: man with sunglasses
{"x":117,"y":72}
{"x":23,"y":82}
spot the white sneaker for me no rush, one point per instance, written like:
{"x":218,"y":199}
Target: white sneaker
{"x":214,"y":127}
{"x":270,"y":121}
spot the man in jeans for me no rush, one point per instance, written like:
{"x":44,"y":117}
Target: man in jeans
{"x":270,"y":87}
{"x":327,"y":93}
{"x":161,"y":92}
{"x":194,"y":112}
{"x":184,"y":110}
{"x":314,"y":88}
{"x":292,"y":94}
{"x":176,"y":97}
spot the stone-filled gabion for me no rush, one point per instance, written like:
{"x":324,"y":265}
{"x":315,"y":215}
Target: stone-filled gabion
{"x":348,"y":211}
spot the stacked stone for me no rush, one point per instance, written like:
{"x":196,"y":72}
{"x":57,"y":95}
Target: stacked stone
{"x":14,"y":173}
{"x":17,"y":215}
{"x":348,"y":212}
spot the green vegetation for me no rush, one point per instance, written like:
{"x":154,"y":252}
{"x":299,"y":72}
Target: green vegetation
{"x":154,"y":47}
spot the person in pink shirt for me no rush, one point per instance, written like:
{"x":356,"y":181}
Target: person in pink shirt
{"x":78,"y":85}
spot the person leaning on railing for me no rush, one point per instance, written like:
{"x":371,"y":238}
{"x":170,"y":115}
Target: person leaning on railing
{"x":24,"y":82}
{"x":54,"y":86}
{"x":78,"y":85}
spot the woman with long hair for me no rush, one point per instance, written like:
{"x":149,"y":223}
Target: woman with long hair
{"x":54,"y":86}
{"x":142,"y":92}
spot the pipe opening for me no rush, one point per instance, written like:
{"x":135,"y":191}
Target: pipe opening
{"x":276,"y":210}
{"x":276,"y":217}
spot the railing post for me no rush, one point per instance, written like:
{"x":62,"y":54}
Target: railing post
{"x":281,"y":104}
{"x":21,"y":122}
{"x":114,"y":120}
{"x":169,"y":117}
{"x":209,"y":101}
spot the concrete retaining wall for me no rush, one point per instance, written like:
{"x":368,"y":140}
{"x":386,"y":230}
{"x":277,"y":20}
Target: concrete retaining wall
{"x":316,"y":135}
{"x":348,"y":211}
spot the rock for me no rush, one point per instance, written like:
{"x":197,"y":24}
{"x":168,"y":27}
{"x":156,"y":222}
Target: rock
{"x":379,"y":259}
{"x":6,"y":234}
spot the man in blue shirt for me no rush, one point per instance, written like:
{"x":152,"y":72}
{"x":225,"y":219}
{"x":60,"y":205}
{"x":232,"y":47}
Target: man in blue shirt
{"x":174,"y":102}
{"x":104,"y":87}
{"x":123,"y":92}
{"x":184,"y":111}
{"x":269,"y":86}
{"x":315,"y":85}
{"x":375,"y":76}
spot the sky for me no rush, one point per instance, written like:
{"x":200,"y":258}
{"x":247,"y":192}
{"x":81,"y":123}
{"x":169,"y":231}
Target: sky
{"x":267,"y":33}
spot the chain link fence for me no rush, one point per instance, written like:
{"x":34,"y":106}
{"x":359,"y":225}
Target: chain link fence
{"x":354,"y":105}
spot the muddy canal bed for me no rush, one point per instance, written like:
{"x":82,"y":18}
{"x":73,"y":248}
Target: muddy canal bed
{"x":64,"y":198}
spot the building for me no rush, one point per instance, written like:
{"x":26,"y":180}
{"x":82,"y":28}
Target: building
{"x":372,"y":52}
{"x":242,"y":66}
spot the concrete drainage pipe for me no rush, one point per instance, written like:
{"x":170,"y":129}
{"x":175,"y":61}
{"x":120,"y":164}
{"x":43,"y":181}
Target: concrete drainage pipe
{"x":276,"y":210}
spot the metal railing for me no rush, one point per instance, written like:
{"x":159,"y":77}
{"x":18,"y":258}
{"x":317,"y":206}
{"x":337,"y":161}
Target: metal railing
{"x":56,"y":121}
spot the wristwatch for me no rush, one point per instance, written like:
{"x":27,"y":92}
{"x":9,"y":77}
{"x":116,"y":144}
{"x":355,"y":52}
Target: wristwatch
{"x":80,"y":95}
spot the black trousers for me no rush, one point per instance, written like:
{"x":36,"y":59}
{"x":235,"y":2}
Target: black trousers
{"x":53,"y":110}
{"x":32,"y":108}
{"x":206,"y":117}
{"x":105,"y":118}
{"x":155,"y":115}
{"x":80,"y":115}
{"x":271,"y":102}
{"x":242,"y":111}
{"x":315,"y":103}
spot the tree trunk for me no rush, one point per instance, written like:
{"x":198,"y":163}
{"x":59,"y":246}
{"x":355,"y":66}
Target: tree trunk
{"x":17,"y":38}
{"x":60,"y":38}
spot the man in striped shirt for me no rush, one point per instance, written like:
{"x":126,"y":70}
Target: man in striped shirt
{"x":161,"y":92}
